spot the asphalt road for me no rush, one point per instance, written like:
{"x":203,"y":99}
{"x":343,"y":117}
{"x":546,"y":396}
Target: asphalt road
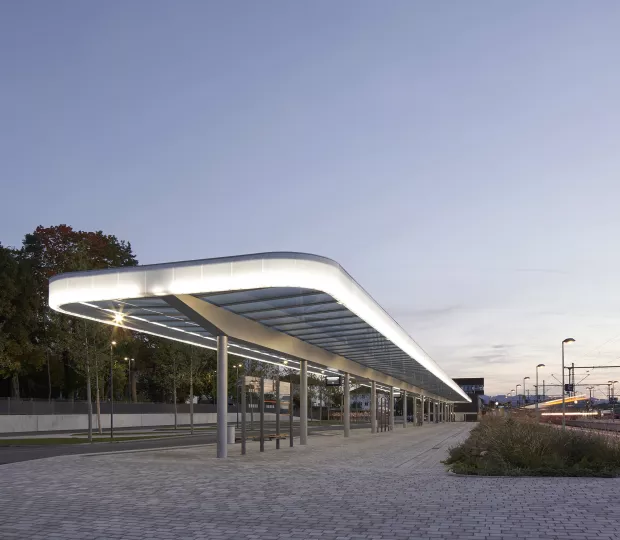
{"x":13,"y":454}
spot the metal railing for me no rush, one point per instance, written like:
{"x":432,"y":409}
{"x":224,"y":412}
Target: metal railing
{"x":44,"y":407}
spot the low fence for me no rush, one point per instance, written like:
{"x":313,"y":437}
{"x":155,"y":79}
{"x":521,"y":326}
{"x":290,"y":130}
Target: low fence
{"x":30,"y":416}
{"x":19,"y":423}
{"x":39,"y":407}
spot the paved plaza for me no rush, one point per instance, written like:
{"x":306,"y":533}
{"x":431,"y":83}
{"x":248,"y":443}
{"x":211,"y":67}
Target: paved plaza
{"x":383,"y":486}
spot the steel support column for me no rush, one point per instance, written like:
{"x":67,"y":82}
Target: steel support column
{"x":415,"y":410}
{"x":278,"y":407}
{"x":222,"y":395}
{"x":404,"y":400}
{"x":391,"y":408}
{"x":347,"y":406}
{"x":303,"y":403}
{"x":261,"y":409}
{"x":243,"y":411}
{"x":373,"y":407}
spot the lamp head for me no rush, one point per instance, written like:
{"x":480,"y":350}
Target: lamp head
{"x":568,"y":340}
{"x":540,"y":365}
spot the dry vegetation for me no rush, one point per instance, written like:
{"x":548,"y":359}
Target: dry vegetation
{"x":522,"y":447}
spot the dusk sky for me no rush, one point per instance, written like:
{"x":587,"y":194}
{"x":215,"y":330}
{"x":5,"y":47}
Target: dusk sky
{"x":460,"y":159}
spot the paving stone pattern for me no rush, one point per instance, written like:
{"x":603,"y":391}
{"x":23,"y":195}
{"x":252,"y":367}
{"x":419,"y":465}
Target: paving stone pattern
{"x":383,"y":486}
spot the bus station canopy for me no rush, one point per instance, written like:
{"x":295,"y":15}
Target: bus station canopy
{"x":274,"y":307}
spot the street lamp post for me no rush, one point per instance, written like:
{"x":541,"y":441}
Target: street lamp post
{"x":590,"y":388}
{"x":537,"y":396}
{"x":612,"y":391}
{"x":567,"y":340}
{"x":524,"y":393}
{"x":517,"y":394}
{"x":129,"y":361}
{"x":112,"y":390}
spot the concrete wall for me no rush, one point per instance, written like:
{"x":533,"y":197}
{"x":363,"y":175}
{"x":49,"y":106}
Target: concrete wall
{"x":463,"y":417}
{"x":23,"y":423}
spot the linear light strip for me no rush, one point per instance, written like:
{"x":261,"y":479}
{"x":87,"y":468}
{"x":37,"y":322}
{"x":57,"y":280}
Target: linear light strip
{"x":243,"y":355}
{"x":237,"y":274}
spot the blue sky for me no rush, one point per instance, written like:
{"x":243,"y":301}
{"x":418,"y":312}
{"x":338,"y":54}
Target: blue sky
{"x":459,"y":159}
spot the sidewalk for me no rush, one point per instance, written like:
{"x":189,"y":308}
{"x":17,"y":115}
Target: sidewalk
{"x":387,"y":486}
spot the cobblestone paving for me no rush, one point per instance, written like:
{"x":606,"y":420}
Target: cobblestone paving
{"x":386,"y":486}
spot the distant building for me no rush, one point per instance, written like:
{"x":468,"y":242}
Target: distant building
{"x":470,"y":412}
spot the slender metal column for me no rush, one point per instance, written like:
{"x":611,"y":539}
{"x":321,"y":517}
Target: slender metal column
{"x":404,"y":394}
{"x":373,"y":407}
{"x":262,"y":413}
{"x":347,"y":406}
{"x":278,"y":405}
{"x":290,"y":415}
{"x":303,"y":403}
{"x":415,"y":410}
{"x":391,"y":408}
{"x":422,"y":406}
{"x":222,"y":395}
{"x":243,"y":407}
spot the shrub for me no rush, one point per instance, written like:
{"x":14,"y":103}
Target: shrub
{"x":523,"y":447}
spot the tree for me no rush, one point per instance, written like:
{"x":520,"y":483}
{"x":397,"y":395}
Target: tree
{"x":54,"y":250}
{"x":18,"y":354}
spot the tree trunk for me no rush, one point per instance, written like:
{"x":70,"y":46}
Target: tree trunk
{"x":49,"y":376}
{"x":15,"y":385}
{"x":174,"y":391}
{"x":97,"y":397}
{"x":134,"y":388}
{"x":89,"y":397}
{"x":191,"y":392}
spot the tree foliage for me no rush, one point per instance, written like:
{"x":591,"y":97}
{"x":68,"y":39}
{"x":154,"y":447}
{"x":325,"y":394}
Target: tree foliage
{"x":45,"y":354}
{"x":31,"y":335}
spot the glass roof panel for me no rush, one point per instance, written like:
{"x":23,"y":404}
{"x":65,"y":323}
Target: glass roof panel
{"x":330,"y":326}
{"x":257,"y":295}
{"x":306,"y":316}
